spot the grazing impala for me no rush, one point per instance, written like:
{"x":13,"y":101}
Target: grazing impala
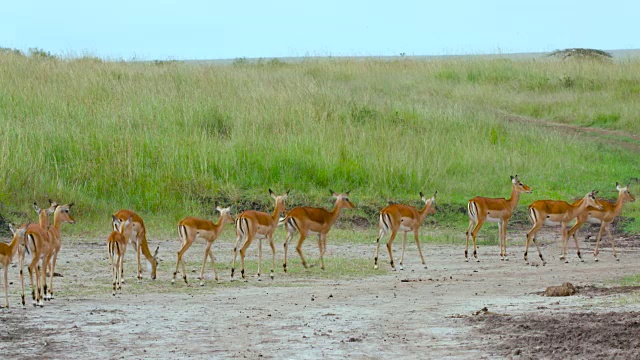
{"x":259,"y":225}
{"x":309,"y":220}
{"x":604,"y":217}
{"x":139,"y":238}
{"x":60,"y":215}
{"x":117,"y":245}
{"x":398,"y":217}
{"x":552,"y":212}
{"x":190,"y":229}
{"x":7,"y":251}
{"x":481,"y":209}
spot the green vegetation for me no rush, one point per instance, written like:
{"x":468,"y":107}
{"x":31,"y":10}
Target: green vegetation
{"x":170,"y":139}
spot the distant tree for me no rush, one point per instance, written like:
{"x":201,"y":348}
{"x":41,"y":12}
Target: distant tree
{"x":580,"y":53}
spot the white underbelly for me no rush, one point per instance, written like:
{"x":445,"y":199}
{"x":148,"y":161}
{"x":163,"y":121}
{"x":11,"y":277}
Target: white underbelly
{"x":551,"y":222}
{"x":491,"y":219}
{"x":593,"y":220}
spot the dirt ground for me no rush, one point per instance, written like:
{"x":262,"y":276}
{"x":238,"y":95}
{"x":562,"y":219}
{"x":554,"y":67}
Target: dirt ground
{"x":414,"y":313}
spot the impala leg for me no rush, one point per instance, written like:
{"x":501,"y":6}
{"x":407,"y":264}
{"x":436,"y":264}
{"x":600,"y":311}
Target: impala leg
{"x":273,"y":256}
{"x":390,"y":248}
{"x":563,"y":257}
{"x":6,"y":285}
{"x":53,"y":271}
{"x":596,"y":251}
{"x":139,"y":250}
{"x":466,"y":249}
{"x":613,"y":247}
{"x":531,"y":236}
{"x":299,"y":249}
{"x":204,"y":263}
{"x":213,"y":265}
{"x":404,"y":245}
{"x":21,"y":266}
{"x":181,"y":253}
{"x":259,"y":258}
{"x":415,"y":233}
{"x":114,"y":269}
{"x":286,"y":245}
{"x":120,"y":277}
{"x":235,"y":254}
{"x":322,"y":238}
{"x":243,"y":252}
{"x":474,"y":233}
{"x":500,"y":239}
{"x":504,"y":240}
{"x":375,"y":259}
{"x":32,"y":272}
{"x":575,"y":240}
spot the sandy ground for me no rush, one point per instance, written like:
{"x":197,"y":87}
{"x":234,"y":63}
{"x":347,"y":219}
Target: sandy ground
{"x":414,"y":313}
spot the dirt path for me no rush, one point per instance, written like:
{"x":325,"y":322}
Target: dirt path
{"x":415,"y":313}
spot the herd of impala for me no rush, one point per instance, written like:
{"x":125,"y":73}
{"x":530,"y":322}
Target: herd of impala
{"x":42,"y":240}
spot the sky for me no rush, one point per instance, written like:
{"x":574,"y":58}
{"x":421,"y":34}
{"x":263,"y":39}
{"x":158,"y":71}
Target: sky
{"x":199,"y":29}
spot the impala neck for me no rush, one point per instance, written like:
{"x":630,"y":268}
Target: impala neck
{"x":515,"y":197}
{"x":43,"y":219}
{"x":618,"y":207}
{"x":275,"y":216}
{"x":333,"y":215}
{"x":423,"y":213}
{"x":578,"y":207}
{"x":14,"y":245}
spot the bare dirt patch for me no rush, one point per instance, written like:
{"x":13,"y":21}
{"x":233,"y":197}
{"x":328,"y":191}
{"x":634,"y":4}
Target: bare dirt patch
{"x":584,"y":335}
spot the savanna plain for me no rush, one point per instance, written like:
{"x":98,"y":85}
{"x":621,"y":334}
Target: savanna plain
{"x":172,"y":139}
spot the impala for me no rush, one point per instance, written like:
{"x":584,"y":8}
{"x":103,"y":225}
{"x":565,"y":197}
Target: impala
{"x":7,"y":251}
{"x":116,"y":246}
{"x":60,"y":215}
{"x":309,"y":220}
{"x":36,"y":242}
{"x":481,"y":209}
{"x":552,"y":212}
{"x":398,"y":217}
{"x":604,"y":217}
{"x":139,"y":238}
{"x":190,"y":229}
{"x":259,"y":225}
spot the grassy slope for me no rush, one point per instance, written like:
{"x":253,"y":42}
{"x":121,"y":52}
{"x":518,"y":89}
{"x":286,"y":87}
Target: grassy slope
{"x":170,"y":140}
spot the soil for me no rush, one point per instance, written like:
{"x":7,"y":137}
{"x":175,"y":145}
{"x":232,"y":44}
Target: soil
{"x":453,"y":309}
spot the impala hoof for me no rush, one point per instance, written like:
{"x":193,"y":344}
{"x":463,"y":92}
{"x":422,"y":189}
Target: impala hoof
{"x":466,"y":259}
{"x":477,"y":260}
{"x":617,"y":259}
{"x":272,"y":276}
{"x":375,"y":267}
{"x":401,"y":267}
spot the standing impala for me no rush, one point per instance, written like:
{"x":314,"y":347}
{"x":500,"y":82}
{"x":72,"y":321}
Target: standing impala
{"x":481,"y":209}
{"x":139,"y":238}
{"x":7,"y":251}
{"x":116,"y":246}
{"x":552,"y":212}
{"x":309,"y":220}
{"x":38,"y":245}
{"x":190,"y":229}
{"x":60,"y":215}
{"x":604,"y":217}
{"x":259,"y":225}
{"x":398,"y":217}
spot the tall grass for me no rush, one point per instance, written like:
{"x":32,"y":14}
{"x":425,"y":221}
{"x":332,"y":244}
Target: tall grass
{"x":169,"y":139}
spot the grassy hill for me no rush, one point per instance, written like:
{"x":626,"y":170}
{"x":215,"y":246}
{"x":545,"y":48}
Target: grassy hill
{"x":170,"y":139}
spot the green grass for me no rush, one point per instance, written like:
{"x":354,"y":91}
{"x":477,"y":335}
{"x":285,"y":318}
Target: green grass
{"x":631,"y":280}
{"x":171,"y":139}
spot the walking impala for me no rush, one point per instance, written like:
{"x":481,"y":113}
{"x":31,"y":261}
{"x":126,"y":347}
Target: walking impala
{"x":7,"y":251}
{"x":60,"y":215}
{"x":481,"y":209}
{"x":604,"y":217}
{"x":552,"y":212}
{"x":190,"y":229}
{"x":398,"y":217}
{"x":116,"y":246}
{"x":139,"y":238}
{"x":36,"y":242}
{"x":309,"y":220}
{"x":259,"y":225}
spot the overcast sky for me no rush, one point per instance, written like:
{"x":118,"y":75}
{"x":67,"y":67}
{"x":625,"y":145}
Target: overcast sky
{"x":163,"y":29}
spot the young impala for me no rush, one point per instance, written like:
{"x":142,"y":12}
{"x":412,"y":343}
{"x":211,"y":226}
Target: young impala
{"x":60,"y":215}
{"x":7,"y":251}
{"x":139,"y":238}
{"x":604,"y":217}
{"x":259,"y":225}
{"x":190,"y":229}
{"x":310,"y":220}
{"x":398,"y":217}
{"x":116,"y":246}
{"x":37,"y":243}
{"x":481,"y":209}
{"x":552,"y":212}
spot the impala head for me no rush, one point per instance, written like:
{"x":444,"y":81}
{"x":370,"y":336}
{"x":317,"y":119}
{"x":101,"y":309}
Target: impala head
{"x":62,"y":214}
{"x":154,"y":263}
{"x":590,"y":198}
{"x":127,"y":228}
{"x":279,"y":200}
{"x":520,"y":187}
{"x":342,"y":200}
{"x":430,"y":201}
{"x":17,"y":233}
{"x":624,"y":193}
{"x":225,"y":214}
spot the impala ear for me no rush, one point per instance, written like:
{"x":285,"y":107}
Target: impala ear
{"x":618,"y":186}
{"x":70,"y":205}
{"x":434,"y":195}
{"x":421,"y":195}
{"x":35,"y":206}
{"x":333,"y":193}
{"x":219,"y":208}
{"x":273,"y":195}
{"x":13,"y":230}
{"x":347,"y":192}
